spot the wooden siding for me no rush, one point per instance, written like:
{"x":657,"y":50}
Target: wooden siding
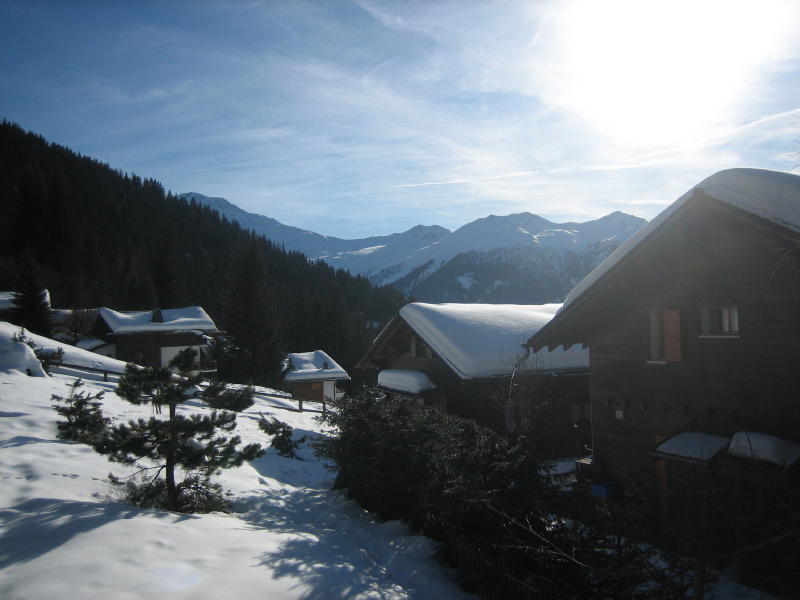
{"x":307,"y":390}
{"x":711,"y":256}
{"x":145,"y":348}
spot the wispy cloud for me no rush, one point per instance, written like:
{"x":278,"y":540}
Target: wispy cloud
{"x":367,"y":117}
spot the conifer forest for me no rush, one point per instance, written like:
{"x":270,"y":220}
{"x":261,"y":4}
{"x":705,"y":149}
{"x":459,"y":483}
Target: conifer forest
{"x":95,"y":236}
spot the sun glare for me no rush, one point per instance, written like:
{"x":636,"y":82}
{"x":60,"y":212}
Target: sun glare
{"x":656,"y":74}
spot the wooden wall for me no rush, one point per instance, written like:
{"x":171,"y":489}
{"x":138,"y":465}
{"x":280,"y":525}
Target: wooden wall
{"x":146,"y":347}
{"x":307,"y":390}
{"x":712,"y":255}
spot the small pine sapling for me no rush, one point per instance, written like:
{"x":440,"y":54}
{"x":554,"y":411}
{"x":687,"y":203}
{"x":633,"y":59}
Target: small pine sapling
{"x":281,"y":436}
{"x":85,"y":422}
{"x":218,"y":395}
{"x":190,"y":443}
{"x":48,"y":357}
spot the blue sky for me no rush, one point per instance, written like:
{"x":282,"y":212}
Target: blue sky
{"x":356,"y":118}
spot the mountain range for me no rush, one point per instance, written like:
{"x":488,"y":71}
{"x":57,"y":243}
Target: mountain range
{"x":519,"y":258}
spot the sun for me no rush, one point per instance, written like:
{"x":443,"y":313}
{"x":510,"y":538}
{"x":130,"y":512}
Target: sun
{"x":650,"y":74}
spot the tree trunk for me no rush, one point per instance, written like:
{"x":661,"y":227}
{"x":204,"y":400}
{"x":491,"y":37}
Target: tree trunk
{"x":699,"y":578}
{"x":169,"y":468}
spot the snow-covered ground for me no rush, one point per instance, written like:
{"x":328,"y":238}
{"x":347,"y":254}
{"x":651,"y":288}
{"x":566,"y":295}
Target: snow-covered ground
{"x":65,"y":534}
{"x":72,"y":354}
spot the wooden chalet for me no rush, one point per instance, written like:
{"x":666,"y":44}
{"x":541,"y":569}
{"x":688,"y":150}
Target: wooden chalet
{"x":462,"y":358}
{"x":694,"y":336}
{"x":313,"y":376}
{"x":154,"y":337}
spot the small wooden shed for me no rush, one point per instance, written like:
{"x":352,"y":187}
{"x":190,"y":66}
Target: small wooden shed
{"x":313,"y":376}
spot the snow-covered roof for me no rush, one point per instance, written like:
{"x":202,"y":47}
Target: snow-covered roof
{"x":7,"y":299}
{"x":761,"y":446}
{"x":313,"y":366}
{"x":174,"y":319}
{"x":693,"y":446}
{"x":486,"y":340}
{"x":770,"y":195}
{"x":402,"y":380}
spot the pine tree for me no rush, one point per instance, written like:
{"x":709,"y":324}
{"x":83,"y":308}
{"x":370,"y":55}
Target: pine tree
{"x":31,"y":304}
{"x":249,"y":316}
{"x":85,"y":422}
{"x":104,"y":238}
{"x":189,"y":443}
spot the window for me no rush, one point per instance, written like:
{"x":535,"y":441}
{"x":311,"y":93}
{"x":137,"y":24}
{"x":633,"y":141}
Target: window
{"x":720,"y":321}
{"x":424,"y":350}
{"x":419,"y":348}
{"x":665,"y":335}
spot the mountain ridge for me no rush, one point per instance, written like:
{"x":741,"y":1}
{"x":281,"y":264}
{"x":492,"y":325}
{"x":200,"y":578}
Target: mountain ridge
{"x":408,"y":259}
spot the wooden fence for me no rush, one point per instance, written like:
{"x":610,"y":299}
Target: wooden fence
{"x":301,"y":404}
{"x":487,"y":574}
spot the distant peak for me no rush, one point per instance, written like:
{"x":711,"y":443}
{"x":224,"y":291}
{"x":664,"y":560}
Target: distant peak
{"x":426,"y":228}
{"x":618,"y":215}
{"x":197,"y":196}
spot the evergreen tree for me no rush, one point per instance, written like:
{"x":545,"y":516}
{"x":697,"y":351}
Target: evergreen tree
{"x":249,"y":311}
{"x":105,"y":238}
{"x":85,"y":422}
{"x":281,"y":436}
{"x":31,"y":305}
{"x":192,"y":443}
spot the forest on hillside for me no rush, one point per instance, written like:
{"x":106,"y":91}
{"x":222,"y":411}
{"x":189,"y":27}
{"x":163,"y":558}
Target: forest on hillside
{"x":95,"y":236}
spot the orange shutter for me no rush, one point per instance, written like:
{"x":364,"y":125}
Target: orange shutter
{"x":672,"y":335}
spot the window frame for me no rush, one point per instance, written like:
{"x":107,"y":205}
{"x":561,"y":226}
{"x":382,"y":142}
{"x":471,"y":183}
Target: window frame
{"x":726,"y":316}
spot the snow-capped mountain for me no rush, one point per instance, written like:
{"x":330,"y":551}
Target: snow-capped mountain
{"x":532,"y":274}
{"x":360,"y":256}
{"x":435,"y":264}
{"x":492,"y":233}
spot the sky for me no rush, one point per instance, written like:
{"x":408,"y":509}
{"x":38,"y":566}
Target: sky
{"x":367,"y":117}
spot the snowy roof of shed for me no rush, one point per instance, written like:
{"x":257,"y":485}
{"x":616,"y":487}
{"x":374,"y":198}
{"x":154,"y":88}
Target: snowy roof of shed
{"x":693,"y":446}
{"x":771,"y":195}
{"x":403,"y":380}
{"x":486,"y":340}
{"x":173,"y":319}
{"x":761,"y":446}
{"x":313,"y":366}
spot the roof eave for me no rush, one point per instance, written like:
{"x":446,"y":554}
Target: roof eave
{"x":548,"y":336}
{"x":378,"y":343}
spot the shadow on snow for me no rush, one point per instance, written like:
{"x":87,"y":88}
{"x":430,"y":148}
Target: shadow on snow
{"x":336,"y":549}
{"x":39,"y":525}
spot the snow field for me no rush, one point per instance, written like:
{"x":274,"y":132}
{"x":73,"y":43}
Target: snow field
{"x":64,"y":532}
{"x":72,"y":354}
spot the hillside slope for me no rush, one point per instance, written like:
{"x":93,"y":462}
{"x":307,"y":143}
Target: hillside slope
{"x":64,"y":532}
{"x":98,"y":237}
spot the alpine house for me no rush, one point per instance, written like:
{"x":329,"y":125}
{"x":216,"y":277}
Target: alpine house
{"x":154,"y":337}
{"x":694,"y":338}
{"x":463,"y":357}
